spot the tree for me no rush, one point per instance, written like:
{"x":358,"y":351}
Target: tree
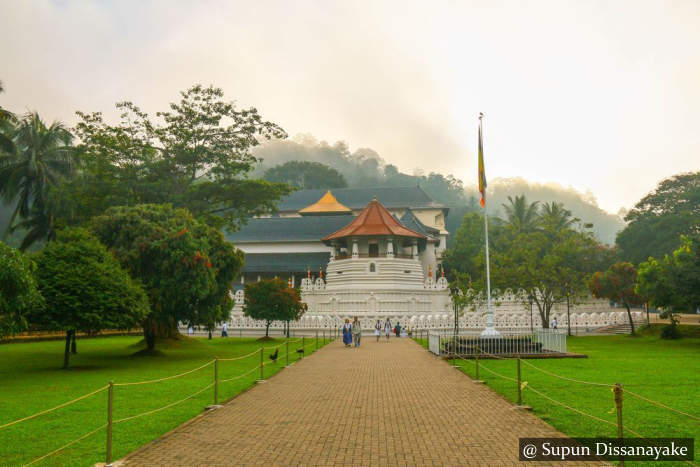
{"x":196,"y":155}
{"x":19,"y":295}
{"x":673,"y":283}
{"x":85,"y":288}
{"x":618,"y":284}
{"x":657,"y":221}
{"x":546,"y":268}
{"x":272,"y":300}
{"x":185,"y":266}
{"x":304,"y":175}
{"x":521,"y":216}
{"x":554,"y":217}
{"x":40,"y":158}
{"x":467,"y":247}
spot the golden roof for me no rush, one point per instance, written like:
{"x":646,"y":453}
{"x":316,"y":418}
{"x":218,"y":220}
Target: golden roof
{"x":326,"y":205}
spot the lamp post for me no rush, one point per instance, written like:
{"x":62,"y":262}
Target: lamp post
{"x":568,"y":315}
{"x":532,"y":326}
{"x":454,"y":293}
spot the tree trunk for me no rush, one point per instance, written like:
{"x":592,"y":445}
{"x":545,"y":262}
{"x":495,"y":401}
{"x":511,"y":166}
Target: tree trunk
{"x":544,"y":313}
{"x":568,"y":317}
{"x":209,"y":329}
{"x":646,"y":307}
{"x":66,"y":353}
{"x":629,"y":315}
{"x":267,"y":329}
{"x":149,"y":333}
{"x":73,"y":346}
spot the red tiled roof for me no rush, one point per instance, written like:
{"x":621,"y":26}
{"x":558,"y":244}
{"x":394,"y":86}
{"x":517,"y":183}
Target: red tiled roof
{"x":374,"y":219}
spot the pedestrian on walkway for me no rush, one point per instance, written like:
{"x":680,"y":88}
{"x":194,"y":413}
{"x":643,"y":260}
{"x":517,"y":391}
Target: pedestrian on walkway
{"x":224,"y":332}
{"x":347,"y":333}
{"x":356,"y":331}
{"x":378,"y":329}
{"x":387,"y":329}
{"x":190,"y":330}
{"x":398,"y":329}
{"x":554,"y":323}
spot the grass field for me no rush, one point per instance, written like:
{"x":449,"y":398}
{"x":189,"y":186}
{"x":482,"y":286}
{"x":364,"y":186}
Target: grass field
{"x":31,"y":381}
{"x":661,"y":370}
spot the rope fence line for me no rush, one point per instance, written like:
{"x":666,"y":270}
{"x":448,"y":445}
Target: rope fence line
{"x":659,"y":404}
{"x":173,"y":404}
{"x":239,"y":357}
{"x":66,"y":445}
{"x":55,"y":408}
{"x":616,"y":388}
{"x":256,"y":367}
{"x":110,"y":388}
{"x":137,"y":383}
{"x":591,"y":383}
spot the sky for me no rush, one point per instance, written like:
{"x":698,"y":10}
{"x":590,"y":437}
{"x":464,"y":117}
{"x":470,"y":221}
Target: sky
{"x":601,"y":96}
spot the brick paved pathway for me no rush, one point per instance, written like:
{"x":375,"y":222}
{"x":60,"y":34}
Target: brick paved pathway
{"x":387,"y":403}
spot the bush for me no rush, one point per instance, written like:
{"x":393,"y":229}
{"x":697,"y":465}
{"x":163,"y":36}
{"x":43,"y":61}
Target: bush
{"x":670,"y":331}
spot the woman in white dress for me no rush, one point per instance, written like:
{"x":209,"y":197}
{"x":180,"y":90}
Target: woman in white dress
{"x":387,"y":328}
{"x":378,"y":329}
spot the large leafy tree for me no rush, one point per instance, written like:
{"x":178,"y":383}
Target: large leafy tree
{"x":196,"y":155}
{"x":618,"y":284}
{"x":673,"y":282}
{"x":186,"y":266}
{"x":658,"y":220}
{"x":520,"y":215}
{"x":306,"y":175}
{"x":18,"y":291}
{"x":38,"y":160}
{"x":85,"y":288}
{"x":272,"y":300}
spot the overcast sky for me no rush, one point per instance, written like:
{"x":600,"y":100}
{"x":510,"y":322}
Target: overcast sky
{"x":601,"y":96}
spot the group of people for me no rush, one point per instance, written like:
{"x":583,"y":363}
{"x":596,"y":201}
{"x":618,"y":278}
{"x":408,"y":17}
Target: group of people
{"x":352,"y":332}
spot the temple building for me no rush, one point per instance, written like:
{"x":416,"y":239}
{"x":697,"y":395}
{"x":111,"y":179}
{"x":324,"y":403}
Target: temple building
{"x":291,"y":244}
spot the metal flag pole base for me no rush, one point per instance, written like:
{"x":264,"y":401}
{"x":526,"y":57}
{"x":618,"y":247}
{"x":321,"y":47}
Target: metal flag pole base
{"x":213,"y":407}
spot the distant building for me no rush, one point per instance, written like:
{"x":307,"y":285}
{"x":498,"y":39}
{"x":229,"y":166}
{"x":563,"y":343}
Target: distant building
{"x":289,"y":244}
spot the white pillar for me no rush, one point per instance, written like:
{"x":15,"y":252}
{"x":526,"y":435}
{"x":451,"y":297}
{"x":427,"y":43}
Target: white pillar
{"x":355,"y":249}
{"x":333,"y":251}
{"x":414,"y":250}
{"x":390,"y":248}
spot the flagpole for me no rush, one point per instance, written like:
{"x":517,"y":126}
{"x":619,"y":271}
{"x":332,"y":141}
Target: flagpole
{"x":490,"y":330}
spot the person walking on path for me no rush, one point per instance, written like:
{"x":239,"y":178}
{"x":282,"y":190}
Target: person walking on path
{"x":347,"y":333}
{"x":387,"y":328}
{"x":398,"y":329}
{"x":224,"y":332}
{"x":378,"y":329}
{"x":356,"y":331}
{"x":554,"y":323}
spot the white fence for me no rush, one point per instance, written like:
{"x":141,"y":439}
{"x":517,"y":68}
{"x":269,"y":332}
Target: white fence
{"x":509,"y":343}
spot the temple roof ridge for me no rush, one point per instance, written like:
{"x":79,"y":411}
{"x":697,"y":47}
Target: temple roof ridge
{"x":374,"y":219}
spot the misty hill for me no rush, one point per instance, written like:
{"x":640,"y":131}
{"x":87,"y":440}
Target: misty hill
{"x":365,"y":168}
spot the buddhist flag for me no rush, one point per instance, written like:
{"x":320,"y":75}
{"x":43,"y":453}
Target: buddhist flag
{"x":482,"y":171}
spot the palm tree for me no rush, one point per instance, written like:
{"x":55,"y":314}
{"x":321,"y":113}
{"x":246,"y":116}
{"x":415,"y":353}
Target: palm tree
{"x":40,"y":157}
{"x":521,"y":215}
{"x":554,"y":217}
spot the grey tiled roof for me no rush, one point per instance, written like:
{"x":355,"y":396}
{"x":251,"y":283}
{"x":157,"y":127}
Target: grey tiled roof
{"x":357,"y":198}
{"x":410,"y":220}
{"x":285,"y":262}
{"x":288,"y":229}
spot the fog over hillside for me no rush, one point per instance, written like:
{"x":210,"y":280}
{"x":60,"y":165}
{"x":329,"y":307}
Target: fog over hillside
{"x":364,"y":167}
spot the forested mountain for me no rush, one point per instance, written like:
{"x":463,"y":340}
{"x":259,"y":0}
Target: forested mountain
{"x":364,"y":167}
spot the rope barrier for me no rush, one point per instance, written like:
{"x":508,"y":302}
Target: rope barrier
{"x":659,"y":404}
{"x":67,"y":445}
{"x":55,"y":408}
{"x":239,"y":358}
{"x":591,"y":383}
{"x":166,"y":378}
{"x":164,"y":407}
{"x":256,"y":367}
{"x":570,"y":408}
{"x":498,"y":374}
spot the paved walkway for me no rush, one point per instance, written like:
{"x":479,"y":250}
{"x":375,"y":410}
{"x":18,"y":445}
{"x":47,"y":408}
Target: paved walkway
{"x":387,"y":403}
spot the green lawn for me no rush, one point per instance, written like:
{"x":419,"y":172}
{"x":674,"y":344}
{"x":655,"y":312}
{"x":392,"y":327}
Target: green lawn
{"x":661,"y":370}
{"x":31,"y":380}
